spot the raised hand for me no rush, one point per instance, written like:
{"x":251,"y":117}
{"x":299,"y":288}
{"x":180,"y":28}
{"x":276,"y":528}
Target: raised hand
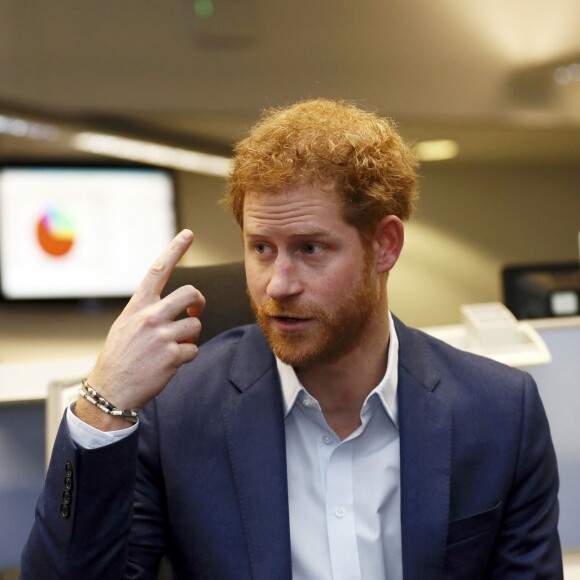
{"x":146,"y":344}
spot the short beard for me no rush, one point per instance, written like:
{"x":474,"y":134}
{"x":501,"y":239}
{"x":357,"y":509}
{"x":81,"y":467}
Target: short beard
{"x":333,"y":334}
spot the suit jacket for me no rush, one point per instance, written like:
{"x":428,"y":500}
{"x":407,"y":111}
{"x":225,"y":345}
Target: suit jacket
{"x":204,"y":480}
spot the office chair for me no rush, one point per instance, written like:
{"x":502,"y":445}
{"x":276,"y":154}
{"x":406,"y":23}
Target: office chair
{"x":224,"y":288}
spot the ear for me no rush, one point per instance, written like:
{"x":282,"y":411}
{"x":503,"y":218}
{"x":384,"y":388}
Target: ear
{"x":388,"y":242}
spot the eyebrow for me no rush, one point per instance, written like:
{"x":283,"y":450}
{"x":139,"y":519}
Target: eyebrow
{"x":307,"y":232}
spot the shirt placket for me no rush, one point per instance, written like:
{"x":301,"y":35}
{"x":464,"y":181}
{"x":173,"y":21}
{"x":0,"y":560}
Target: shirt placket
{"x":340,"y":517}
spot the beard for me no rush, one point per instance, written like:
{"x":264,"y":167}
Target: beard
{"x":330,"y":333}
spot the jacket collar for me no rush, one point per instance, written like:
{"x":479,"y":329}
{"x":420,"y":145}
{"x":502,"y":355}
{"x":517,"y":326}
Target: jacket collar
{"x":253,"y":360}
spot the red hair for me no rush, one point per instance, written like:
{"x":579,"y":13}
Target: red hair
{"x":358,"y":153}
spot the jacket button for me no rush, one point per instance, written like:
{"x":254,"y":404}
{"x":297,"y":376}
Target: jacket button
{"x":68,"y":483}
{"x":68,"y":469}
{"x":66,"y":498}
{"x":65,"y":510}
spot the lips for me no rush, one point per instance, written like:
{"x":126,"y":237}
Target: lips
{"x":286,"y":318}
{"x":290,"y":323}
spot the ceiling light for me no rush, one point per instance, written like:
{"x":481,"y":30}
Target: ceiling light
{"x":22,"y":128}
{"x":436,"y":150}
{"x":564,"y":75}
{"x":152,"y":153}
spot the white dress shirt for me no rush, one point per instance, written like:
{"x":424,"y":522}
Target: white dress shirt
{"x":344,"y":496}
{"x":89,"y":437}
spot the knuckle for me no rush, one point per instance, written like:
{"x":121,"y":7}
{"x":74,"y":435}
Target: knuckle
{"x":187,"y":291}
{"x":134,"y":303}
{"x":151,"y":319}
{"x":195,"y":300}
{"x":157,"y":267}
{"x":189,"y":352}
{"x":172,"y":351}
{"x":163,"y":335}
{"x":200,"y":298}
{"x":193,"y":294}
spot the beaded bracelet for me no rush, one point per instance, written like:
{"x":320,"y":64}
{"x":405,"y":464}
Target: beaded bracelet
{"x":89,"y":394}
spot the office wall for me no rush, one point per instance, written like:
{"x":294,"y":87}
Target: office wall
{"x":217,"y":235}
{"x":471,"y":220}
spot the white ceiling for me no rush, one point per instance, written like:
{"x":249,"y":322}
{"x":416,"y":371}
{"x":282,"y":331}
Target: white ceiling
{"x":476,"y":70}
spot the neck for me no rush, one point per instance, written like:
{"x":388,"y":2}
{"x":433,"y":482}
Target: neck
{"x":342,"y":385}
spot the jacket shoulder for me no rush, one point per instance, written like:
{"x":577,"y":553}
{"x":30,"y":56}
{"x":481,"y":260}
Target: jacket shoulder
{"x":460,"y":374}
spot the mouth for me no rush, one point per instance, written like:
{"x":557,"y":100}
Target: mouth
{"x":290,"y":323}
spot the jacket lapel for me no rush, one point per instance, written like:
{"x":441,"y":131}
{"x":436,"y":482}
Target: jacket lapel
{"x":254,"y":422}
{"x":425,"y":438}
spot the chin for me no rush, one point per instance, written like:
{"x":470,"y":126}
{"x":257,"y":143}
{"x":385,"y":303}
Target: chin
{"x":301,"y":353}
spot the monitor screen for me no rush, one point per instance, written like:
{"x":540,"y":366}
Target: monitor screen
{"x":81,"y":232}
{"x":542,"y":290}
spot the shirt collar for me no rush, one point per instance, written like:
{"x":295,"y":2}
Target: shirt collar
{"x":386,"y":390}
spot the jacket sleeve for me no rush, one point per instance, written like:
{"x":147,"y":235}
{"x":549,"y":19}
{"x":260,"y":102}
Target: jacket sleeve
{"x":84,"y":516}
{"x":528,"y":545}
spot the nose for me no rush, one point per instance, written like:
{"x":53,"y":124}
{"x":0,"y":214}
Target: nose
{"x":284,"y":279}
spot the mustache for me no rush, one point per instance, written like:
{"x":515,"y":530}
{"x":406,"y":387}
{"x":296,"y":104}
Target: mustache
{"x":278,"y":310}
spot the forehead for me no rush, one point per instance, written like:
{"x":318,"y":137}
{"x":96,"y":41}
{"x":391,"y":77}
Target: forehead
{"x":300,"y":205}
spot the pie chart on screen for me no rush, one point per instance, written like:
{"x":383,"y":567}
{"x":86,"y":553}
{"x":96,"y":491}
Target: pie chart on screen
{"x":55,"y":232}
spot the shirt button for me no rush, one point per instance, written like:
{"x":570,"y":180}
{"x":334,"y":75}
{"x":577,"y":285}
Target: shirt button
{"x":307,"y":403}
{"x":339,"y":512}
{"x":327,"y":439}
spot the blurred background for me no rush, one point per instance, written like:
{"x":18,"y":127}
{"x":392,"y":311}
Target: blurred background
{"x":497,"y":81}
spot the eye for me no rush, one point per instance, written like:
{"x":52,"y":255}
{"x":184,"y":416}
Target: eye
{"x":262,"y":248}
{"x":312,"y":248}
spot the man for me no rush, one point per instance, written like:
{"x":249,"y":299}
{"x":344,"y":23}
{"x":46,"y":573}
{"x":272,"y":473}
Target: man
{"x":330,"y":441}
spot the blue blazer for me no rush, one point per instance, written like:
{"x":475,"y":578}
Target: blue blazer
{"x":478,"y":476}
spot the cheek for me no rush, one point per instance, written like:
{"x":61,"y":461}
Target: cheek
{"x":330,"y":289}
{"x":342,"y":279}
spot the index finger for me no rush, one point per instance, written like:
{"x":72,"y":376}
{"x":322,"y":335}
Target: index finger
{"x":152,"y":285}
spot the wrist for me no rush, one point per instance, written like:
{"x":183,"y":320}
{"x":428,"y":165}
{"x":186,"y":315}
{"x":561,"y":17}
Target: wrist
{"x":96,"y":418}
{"x":107,"y":387}
{"x":90,"y":394}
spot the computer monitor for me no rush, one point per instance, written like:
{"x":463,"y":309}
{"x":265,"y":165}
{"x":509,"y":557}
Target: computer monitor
{"x":542,"y":290}
{"x":71,"y":232}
